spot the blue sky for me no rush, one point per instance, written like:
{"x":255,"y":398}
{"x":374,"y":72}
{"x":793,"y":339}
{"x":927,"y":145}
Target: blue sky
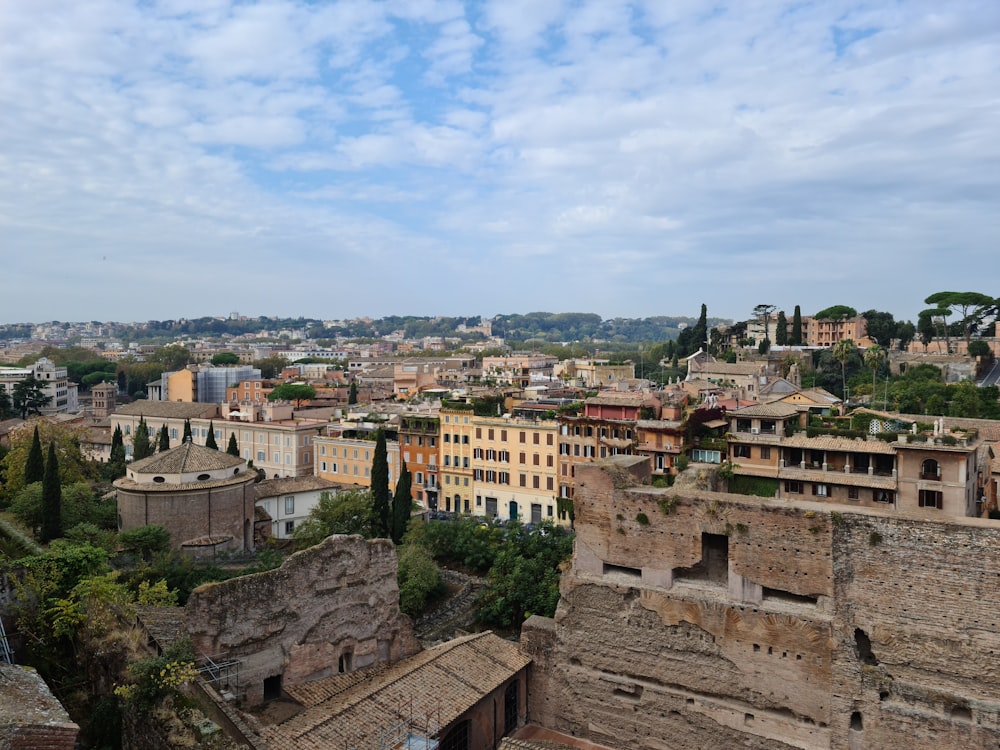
{"x":332,"y":159}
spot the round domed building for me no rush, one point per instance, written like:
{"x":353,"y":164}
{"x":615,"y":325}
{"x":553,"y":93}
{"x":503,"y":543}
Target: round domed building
{"x":202,"y":496}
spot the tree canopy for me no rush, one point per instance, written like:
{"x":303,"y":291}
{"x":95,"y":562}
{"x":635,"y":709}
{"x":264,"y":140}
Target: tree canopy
{"x":971,"y":307}
{"x":224,"y":359}
{"x":28,"y":396}
{"x":297,"y":392}
{"x":836,"y":311}
{"x":348,"y":512}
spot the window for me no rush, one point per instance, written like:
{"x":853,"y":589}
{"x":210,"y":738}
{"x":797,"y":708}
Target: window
{"x":260,"y":456}
{"x":289,"y":527}
{"x":548,"y":439}
{"x":931,"y":498}
{"x":793,"y":487}
{"x":447,"y":460}
{"x":930,"y":469}
{"x":884,"y":496}
{"x":505,"y":457}
{"x":535,"y":438}
{"x":277,"y":458}
{"x":503,"y":436}
{"x":521,"y":436}
{"x":852,"y":493}
{"x":563,"y":451}
{"x":549,"y":461}
{"x":524,"y":480}
{"x":290,"y":505}
{"x":491,"y":476}
{"x":535,"y":481}
{"x":504,"y":477}
{"x":489,"y":434}
{"x":741,"y":451}
{"x":447,"y":437}
{"x":535,"y":460}
{"x":549,"y":483}
{"x":821,"y":490}
{"x":465,"y":439}
{"x":765,"y":452}
{"x":173,"y":433}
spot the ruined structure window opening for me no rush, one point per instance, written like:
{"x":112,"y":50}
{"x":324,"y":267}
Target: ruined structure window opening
{"x":713,"y":568}
{"x":346,"y":662}
{"x":272,"y":687}
{"x":787,"y":597}
{"x":610,"y":569}
{"x":857,"y":724}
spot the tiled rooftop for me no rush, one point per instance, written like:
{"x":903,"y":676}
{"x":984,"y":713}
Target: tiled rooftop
{"x":185,"y":459}
{"x":433,"y":688}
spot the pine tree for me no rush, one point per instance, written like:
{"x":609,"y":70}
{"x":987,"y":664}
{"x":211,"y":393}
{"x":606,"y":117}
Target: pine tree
{"x":34,"y":467}
{"x":796,"y":339}
{"x":51,"y":499}
{"x":233,"y":449}
{"x":380,"y":486}
{"x":187,"y":431}
{"x":142,"y":447}
{"x":164,"y":439}
{"x":402,"y":504}
{"x":210,"y":441}
{"x":781,"y":332}
{"x":352,"y":393}
{"x":116,"y":464}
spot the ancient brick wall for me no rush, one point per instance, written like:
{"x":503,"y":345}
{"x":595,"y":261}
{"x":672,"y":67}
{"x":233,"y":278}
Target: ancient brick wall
{"x":333,"y":607}
{"x":693,"y":619}
{"x":199,"y":512}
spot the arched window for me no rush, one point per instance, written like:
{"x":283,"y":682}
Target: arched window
{"x":457,"y":738}
{"x":930,"y":469}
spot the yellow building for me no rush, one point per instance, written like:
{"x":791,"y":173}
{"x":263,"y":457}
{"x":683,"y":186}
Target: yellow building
{"x":514,"y":469}
{"x":346,"y":456}
{"x":455,"y":448}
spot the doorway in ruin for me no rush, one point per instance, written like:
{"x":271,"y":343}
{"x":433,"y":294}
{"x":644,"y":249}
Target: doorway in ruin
{"x":713,"y":568}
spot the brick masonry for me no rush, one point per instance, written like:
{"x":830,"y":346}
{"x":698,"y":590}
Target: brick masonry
{"x":333,"y":607}
{"x":692,"y":619}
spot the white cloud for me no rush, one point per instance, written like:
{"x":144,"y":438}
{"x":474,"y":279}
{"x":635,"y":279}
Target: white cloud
{"x":648,"y":142}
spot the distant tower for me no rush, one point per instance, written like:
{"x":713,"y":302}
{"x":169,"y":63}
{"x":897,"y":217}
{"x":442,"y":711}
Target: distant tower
{"x":104,"y":399}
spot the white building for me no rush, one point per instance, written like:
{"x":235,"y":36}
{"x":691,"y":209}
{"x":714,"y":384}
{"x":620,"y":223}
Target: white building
{"x":63,"y":394}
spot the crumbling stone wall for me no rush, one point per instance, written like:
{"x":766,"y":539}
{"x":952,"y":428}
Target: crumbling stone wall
{"x":333,"y":607}
{"x":813,"y":626}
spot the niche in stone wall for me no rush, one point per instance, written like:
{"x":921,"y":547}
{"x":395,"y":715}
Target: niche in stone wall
{"x":713,"y":568}
{"x":787,"y":597}
{"x":272,"y":687}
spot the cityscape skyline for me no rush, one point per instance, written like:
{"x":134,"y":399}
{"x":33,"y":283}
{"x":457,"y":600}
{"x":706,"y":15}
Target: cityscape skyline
{"x":634,"y":159}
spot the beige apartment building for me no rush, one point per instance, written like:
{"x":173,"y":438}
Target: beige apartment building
{"x":514,"y":469}
{"x":455,"y":448}
{"x":345,"y":454}
{"x":266,"y":435}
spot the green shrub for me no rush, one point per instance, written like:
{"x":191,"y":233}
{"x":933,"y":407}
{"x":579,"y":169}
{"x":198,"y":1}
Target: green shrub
{"x":642,"y":519}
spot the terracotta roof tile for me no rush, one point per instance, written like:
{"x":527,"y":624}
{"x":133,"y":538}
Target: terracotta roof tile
{"x":184,"y":459}
{"x":432,"y":688}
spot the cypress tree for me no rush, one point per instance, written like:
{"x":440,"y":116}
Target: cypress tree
{"x":51,"y":499}
{"x":700,"y":332}
{"x":352,"y":393}
{"x":402,"y":504}
{"x":210,"y":441}
{"x":233,"y":449}
{"x":34,"y":467}
{"x":187,"y":431}
{"x":116,"y":464}
{"x":781,"y":332}
{"x":142,"y":447}
{"x":164,"y":440}
{"x":380,"y":485}
{"x":796,"y":339}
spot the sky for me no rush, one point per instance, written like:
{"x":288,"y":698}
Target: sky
{"x":335,"y":159}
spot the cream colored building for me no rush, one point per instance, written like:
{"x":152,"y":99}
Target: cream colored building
{"x":345,"y":456}
{"x":455,"y":463}
{"x":514,"y":468}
